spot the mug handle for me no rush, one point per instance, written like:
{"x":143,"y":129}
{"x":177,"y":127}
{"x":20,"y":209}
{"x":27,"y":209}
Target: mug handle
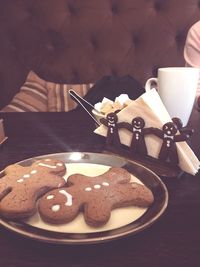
{"x":151,"y":83}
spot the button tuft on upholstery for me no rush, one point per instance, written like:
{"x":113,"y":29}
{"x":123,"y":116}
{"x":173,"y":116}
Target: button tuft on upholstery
{"x":113,"y":72}
{"x":75,"y":75}
{"x":115,"y":9}
{"x":54,"y":41}
{"x":12,"y":42}
{"x":13,"y":47}
{"x":50,"y":47}
{"x":136,"y":39}
{"x":158,"y":5}
{"x":31,"y":12}
{"x":94,"y":42}
{"x":180,"y":39}
{"x":72,"y":9}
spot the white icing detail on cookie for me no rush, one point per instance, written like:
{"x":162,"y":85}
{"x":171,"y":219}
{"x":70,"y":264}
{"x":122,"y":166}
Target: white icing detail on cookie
{"x":55,"y":208}
{"x":20,"y":180}
{"x":26,"y":176}
{"x":105,"y":184}
{"x":88,"y":189}
{"x":59,"y":164}
{"x":68,"y":196}
{"x":97,"y":186}
{"x":50,"y":196}
{"x":47,"y":160}
{"x":46,"y":165}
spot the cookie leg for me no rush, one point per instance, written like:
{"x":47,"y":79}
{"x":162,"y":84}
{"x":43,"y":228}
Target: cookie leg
{"x":17,"y":206}
{"x":174,"y":155}
{"x":97,"y":213}
{"x":163,"y":155}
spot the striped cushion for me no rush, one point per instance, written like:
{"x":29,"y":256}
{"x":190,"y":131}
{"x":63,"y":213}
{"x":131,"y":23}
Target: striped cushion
{"x":58,"y":98}
{"x":39,"y":95}
{"x":32,"y":96}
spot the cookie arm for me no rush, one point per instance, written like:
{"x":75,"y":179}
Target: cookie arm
{"x":14,"y":169}
{"x":149,"y":130}
{"x":6,"y":181}
{"x":187,"y":131}
{"x":116,"y":175}
{"x":157,"y":132}
{"x":133,"y":194}
{"x":125,"y":125}
{"x":77,"y":179}
{"x":104,"y":122}
{"x":181,"y":137}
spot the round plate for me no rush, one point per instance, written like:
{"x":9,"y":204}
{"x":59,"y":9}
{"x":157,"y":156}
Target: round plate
{"x":146,"y":176}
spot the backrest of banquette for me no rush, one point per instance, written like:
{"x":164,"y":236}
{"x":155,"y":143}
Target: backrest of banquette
{"x":79,"y":41}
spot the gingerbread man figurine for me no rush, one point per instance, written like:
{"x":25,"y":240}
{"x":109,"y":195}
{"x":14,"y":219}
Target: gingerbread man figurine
{"x":112,"y":139}
{"x":168,"y":134}
{"x":138,"y":144}
{"x":180,"y":127}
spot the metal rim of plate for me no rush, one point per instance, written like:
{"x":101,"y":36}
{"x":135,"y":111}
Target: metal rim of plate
{"x":149,"y":178}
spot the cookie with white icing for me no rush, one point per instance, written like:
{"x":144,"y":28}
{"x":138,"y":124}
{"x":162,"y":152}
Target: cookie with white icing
{"x":95,"y":196}
{"x":22,"y":186}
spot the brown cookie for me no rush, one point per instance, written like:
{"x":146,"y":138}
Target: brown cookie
{"x":95,"y":196}
{"x":21,"y":186}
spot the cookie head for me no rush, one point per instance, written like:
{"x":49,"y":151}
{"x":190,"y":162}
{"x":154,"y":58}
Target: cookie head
{"x":112,"y":117}
{"x":51,"y":166}
{"x":138,"y":123}
{"x":170,"y":128}
{"x":178,"y":122}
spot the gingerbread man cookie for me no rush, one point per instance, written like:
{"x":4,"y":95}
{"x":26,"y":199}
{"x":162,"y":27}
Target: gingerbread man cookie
{"x":95,"y":196}
{"x":22,"y":186}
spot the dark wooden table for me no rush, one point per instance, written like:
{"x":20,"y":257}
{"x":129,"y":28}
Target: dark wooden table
{"x":174,"y":240}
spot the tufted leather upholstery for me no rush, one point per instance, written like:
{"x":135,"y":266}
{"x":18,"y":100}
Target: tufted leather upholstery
{"x":79,"y":41}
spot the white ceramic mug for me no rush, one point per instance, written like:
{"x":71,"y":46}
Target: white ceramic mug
{"x":177,"y":88}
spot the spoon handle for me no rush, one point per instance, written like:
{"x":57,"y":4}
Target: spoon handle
{"x":83,"y":103}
